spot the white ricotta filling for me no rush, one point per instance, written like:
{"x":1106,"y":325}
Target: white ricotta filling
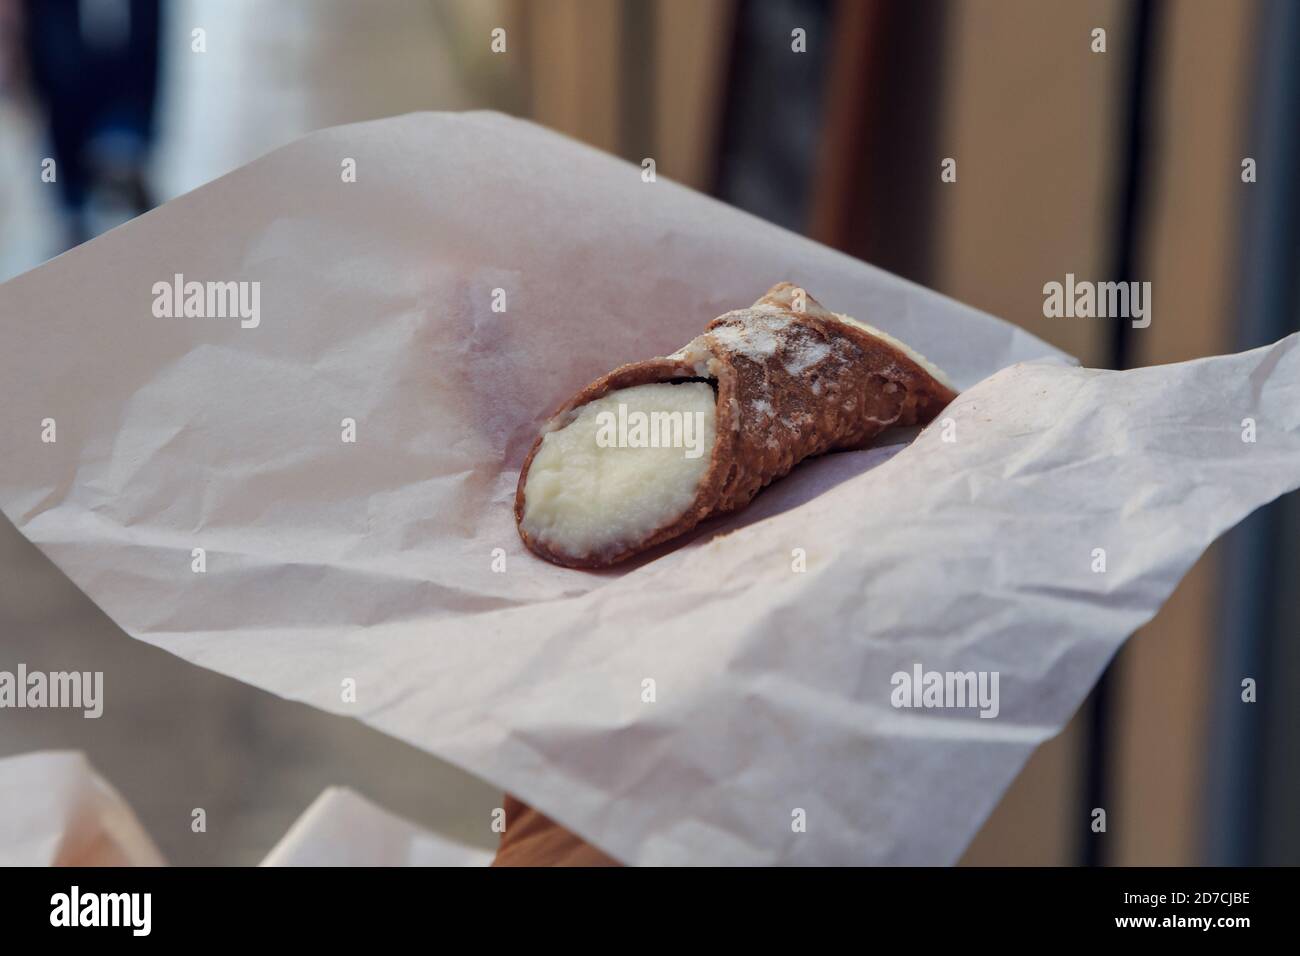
{"x":625,"y":466}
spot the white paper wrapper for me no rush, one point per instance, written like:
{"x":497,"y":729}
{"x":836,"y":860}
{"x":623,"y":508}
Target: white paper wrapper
{"x":372,"y":561}
{"x":56,"y":811}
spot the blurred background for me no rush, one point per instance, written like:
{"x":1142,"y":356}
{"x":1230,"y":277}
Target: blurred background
{"x":1115,"y":156}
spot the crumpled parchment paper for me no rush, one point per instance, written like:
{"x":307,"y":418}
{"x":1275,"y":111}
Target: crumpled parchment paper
{"x":365,"y":577}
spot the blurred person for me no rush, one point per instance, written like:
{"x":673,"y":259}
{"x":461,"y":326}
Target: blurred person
{"x":10,"y":44}
{"x":28,"y":216}
{"x":93,"y":66}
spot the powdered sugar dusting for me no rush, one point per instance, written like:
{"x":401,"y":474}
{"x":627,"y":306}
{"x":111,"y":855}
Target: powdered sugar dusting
{"x":806,"y":355}
{"x":755,"y":336}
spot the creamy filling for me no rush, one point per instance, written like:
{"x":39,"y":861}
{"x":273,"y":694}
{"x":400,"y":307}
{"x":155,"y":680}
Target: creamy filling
{"x":622,"y":468}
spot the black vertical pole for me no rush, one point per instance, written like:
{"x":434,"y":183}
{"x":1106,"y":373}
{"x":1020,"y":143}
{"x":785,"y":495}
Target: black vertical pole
{"x":1135,"y":143}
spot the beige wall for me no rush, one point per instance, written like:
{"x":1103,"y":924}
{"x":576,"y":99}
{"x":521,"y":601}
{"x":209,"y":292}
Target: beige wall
{"x":691,"y":63}
{"x":632,"y":80}
{"x":1031,"y":118}
{"x":573,"y":48}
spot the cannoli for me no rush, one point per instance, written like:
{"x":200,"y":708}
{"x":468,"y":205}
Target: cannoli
{"x":645,"y":453}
